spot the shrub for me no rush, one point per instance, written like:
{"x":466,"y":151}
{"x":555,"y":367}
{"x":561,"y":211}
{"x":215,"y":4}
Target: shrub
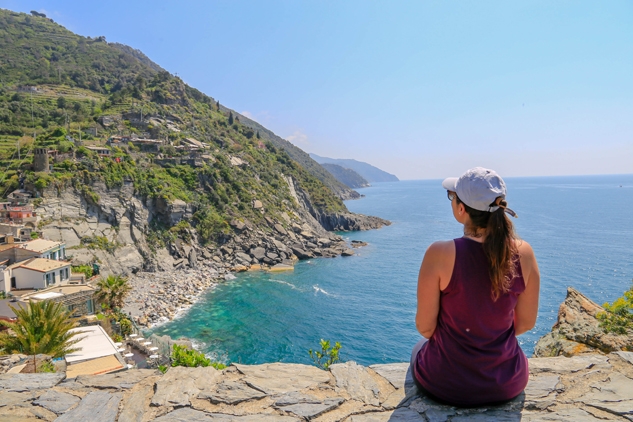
{"x":619,"y":315}
{"x":182,"y":356}
{"x":327,"y":356}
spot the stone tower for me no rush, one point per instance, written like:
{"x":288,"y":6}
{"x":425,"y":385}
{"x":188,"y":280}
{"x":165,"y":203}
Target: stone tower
{"x":40,"y":160}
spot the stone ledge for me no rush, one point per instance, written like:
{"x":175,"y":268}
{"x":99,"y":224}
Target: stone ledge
{"x":582,"y":388}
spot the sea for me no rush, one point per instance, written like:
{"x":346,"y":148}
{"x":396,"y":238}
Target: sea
{"x":580,"y":227}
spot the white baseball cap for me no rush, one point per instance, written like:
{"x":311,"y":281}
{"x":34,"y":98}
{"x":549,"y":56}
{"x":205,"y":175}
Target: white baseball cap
{"x":479,"y":188}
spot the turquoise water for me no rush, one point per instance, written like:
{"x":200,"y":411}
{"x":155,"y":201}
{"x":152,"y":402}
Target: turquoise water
{"x":581,"y":230}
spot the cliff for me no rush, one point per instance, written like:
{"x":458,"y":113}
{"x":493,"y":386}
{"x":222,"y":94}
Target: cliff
{"x":346,"y":176}
{"x":369,"y":172}
{"x":577,"y":331}
{"x":582,"y":388}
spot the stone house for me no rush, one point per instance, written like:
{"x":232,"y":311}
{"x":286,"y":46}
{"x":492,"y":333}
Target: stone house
{"x":34,"y":274}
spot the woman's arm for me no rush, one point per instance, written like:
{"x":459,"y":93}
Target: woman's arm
{"x":432,"y":278}
{"x":526,"y":310}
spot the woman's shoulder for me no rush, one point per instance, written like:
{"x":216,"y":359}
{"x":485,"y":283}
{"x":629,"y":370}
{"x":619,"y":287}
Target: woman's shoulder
{"x":442,"y":246}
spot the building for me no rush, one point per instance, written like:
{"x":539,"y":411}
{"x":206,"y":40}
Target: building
{"x":101,"y":151}
{"x":6,"y":313}
{"x":22,"y":215}
{"x":34,"y":274}
{"x":77,"y":298}
{"x":97,"y":353}
{"x":45,"y":248}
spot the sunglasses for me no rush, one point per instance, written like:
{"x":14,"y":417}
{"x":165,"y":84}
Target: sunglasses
{"x":451,"y":195}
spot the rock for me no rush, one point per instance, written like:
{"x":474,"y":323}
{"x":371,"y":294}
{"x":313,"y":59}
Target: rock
{"x":257,"y":204}
{"x":243,"y":257}
{"x":275,"y":378}
{"x":348,"y":252}
{"x":28,"y":382}
{"x":12,"y":398}
{"x":191,"y":415}
{"x":542,"y":386}
{"x":229,"y":392}
{"x":56,"y":401}
{"x":179,"y":385}
{"x":258,"y":253}
{"x":395,"y":373}
{"x":342,"y":222}
{"x":237,"y":224}
{"x":577,"y":330}
{"x":272,"y":255}
{"x":355,"y":379}
{"x":312,"y":410}
{"x":563,"y":364}
{"x":134,"y":407}
{"x":117,"y":381}
{"x":96,"y":406}
{"x":302,"y":253}
{"x":280,"y":229}
{"x":398,"y":415}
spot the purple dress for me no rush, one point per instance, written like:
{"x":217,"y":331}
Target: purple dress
{"x":473,"y":357}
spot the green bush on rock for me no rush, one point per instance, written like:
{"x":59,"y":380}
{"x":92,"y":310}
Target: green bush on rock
{"x":183,"y":356}
{"x":619,"y":315}
{"x":327,"y":356}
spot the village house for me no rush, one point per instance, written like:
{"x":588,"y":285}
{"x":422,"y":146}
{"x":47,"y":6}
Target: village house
{"x":33,"y":274}
{"x":101,"y":151}
{"x":44,"y":248}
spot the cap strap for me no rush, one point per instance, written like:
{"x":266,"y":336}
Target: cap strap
{"x":505,"y":207}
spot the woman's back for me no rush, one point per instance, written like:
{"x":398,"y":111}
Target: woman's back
{"x":473,"y":357}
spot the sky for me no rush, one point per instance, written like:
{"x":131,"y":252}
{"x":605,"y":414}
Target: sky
{"x":421,"y":89}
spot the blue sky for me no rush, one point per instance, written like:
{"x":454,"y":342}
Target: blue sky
{"x":422,"y":89}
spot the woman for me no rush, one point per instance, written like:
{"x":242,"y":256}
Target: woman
{"x":475,"y":295}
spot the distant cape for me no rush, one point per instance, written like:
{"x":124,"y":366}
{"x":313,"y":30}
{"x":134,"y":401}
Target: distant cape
{"x":369,"y":172}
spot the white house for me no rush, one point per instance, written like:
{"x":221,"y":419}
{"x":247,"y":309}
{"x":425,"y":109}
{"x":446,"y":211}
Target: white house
{"x":45,"y":248}
{"x":36,"y":273}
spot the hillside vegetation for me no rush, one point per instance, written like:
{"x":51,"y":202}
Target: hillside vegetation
{"x":347,"y":176}
{"x":369,"y":172}
{"x":78,"y":82}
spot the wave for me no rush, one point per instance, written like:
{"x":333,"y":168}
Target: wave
{"x":284,"y":282}
{"x":318,"y":289}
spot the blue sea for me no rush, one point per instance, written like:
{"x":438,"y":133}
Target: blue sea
{"x":581,"y":229}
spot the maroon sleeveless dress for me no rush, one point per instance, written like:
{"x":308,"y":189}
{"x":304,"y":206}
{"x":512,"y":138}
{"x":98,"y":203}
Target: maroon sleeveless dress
{"x":473,"y":357}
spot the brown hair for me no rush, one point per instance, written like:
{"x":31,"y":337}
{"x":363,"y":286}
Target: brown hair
{"x":500,"y":244}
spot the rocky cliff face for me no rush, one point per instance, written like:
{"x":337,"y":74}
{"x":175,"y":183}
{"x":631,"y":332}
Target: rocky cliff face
{"x":113,"y":231}
{"x":577,"y":331}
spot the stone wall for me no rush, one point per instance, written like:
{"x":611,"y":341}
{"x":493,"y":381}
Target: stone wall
{"x":582,"y":388}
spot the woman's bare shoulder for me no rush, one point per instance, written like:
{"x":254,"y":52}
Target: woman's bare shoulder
{"x":525,"y":249}
{"x":442,"y":246}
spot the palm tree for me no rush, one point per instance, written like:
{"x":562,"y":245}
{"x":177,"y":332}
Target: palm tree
{"x":113,"y":290}
{"x":41,"y":327}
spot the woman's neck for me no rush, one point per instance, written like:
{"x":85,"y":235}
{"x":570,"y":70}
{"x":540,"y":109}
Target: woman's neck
{"x":478,"y":235}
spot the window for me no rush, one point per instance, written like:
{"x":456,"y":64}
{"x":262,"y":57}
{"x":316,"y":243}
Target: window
{"x":48,"y":279}
{"x":53,"y":274}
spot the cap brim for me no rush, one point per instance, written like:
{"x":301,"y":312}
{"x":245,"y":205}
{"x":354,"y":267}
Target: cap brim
{"x":450,"y":184}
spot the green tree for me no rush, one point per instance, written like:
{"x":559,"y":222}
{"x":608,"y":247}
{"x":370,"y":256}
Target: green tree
{"x":61,"y":102}
{"x":327,"y":356}
{"x":217,"y":104}
{"x":41,"y":327}
{"x":113,"y":290}
{"x":230,"y":118}
{"x":258,"y":135}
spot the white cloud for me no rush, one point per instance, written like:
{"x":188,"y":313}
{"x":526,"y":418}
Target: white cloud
{"x":298,"y":137}
{"x":247,"y":114}
{"x":259,"y":117}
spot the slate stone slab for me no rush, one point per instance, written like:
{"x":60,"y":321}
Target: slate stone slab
{"x":11,"y":398}
{"x":541,"y":386}
{"x":27,"y":382}
{"x":357,"y":382}
{"x":279,"y":378}
{"x":99,"y":406}
{"x":628,"y":356}
{"x":617,"y":388}
{"x":395,"y":373}
{"x":179,"y":385}
{"x":562,"y":364}
{"x":624,"y":408}
{"x":56,"y":401}
{"x":190,"y":415}
{"x":311,"y":410}
{"x":398,"y":415}
{"x":230,"y":392}
{"x":118,"y":381}
{"x":134,"y":406}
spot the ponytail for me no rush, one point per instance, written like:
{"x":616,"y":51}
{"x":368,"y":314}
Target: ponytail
{"x":500,"y":244}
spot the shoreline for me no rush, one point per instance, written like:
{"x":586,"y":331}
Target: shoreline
{"x":160,"y":297}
